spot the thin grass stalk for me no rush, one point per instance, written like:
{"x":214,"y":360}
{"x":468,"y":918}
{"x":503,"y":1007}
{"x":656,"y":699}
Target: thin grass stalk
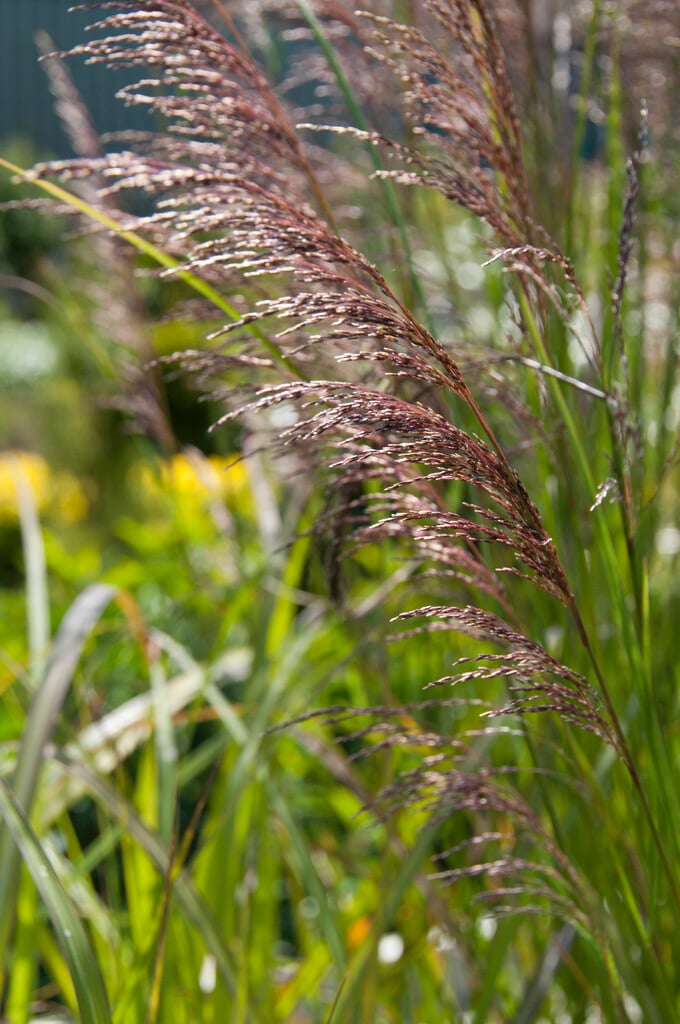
{"x":162,"y":936}
{"x":582,"y":115}
{"x":632,"y":642}
{"x":37,"y":597}
{"x":360,"y":121}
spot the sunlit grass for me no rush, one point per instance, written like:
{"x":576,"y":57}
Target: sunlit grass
{"x":213,"y":823}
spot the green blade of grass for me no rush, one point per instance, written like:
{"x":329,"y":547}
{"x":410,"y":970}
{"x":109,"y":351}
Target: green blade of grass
{"x":194,"y":907}
{"x":83,"y":967}
{"x":22,"y":980}
{"x":303,"y":863}
{"x":166,"y":749}
{"x":37,"y":601}
{"x":57,"y":967}
{"x":73,"y":632}
{"x":494,"y":964}
{"x":544,"y":976}
{"x":411,"y":866}
{"x":66,"y":650}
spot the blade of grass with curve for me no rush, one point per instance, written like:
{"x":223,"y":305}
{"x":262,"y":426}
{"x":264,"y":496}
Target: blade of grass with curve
{"x":68,"y":644}
{"x":87,"y":980}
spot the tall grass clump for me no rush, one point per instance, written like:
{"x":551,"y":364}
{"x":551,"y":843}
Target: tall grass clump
{"x":452,"y":326}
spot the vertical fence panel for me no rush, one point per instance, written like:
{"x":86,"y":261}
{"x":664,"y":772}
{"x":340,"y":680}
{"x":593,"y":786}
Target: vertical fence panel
{"x":26,"y":107}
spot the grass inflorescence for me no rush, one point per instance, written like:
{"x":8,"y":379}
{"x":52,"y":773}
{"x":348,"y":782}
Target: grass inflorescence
{"x":461,"y":469}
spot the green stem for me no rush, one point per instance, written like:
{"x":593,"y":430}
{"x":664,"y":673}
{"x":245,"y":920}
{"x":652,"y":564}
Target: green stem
{"x":624,"y":619}
{"x":360,"y":122}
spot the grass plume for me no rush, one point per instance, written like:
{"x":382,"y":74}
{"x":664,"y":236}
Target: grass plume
{"x":421,"y":437}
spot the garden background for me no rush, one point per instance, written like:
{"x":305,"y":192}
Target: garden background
{"x":201,"y":822}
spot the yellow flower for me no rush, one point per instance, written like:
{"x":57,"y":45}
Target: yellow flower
{"x":193,"y":479}
{"x":69,"y":503}
{"x":17,"y":468}
{"x":57,"y":496}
